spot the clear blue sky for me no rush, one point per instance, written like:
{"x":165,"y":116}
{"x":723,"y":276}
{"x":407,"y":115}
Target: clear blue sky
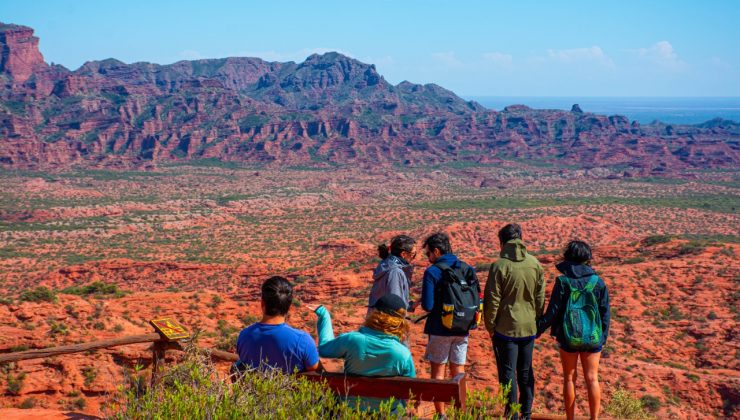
{"x":501,"y":48}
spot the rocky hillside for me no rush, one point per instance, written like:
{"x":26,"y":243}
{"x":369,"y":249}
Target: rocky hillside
{"x":328,"y":109}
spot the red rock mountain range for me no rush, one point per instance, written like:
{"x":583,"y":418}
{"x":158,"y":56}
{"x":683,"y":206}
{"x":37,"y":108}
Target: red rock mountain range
{"x":329,"y":109}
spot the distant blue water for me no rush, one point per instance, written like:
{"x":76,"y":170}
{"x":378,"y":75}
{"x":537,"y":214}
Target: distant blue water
{"x":644,"y":110}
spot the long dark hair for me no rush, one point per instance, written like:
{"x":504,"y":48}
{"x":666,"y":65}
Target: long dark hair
{"x":399,"y":243}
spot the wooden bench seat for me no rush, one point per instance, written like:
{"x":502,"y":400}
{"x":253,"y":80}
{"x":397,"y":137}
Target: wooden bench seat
{"x":399,"y":387}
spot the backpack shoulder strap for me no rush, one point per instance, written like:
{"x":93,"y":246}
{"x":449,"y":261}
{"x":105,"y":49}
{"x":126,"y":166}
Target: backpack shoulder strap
{"x":442,"y":266}
{"x":592,"y":282}
{"x":564,"y":280}
{"x":469,"y":274}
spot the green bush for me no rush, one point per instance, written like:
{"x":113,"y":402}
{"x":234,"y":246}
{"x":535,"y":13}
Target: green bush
{"x":194,"y":389}
{"x":624,"y":405}
{"x":39,"y":294}
{"x":89,"y":373}
{"x":634,"y":260}
{"x":15,"y":382}
{"x":692,"y":248}
{"x":28,"y":403}
{"x":97,"y":288}
{"x":656,"y":239}
{"x":650,"y":402}
{"x":483,"y":404}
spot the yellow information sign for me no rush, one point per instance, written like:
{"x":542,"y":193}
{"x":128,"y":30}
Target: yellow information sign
{"x":170,"y":329}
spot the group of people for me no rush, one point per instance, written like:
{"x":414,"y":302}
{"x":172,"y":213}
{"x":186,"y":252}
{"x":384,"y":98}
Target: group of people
{"x":511,"y":307}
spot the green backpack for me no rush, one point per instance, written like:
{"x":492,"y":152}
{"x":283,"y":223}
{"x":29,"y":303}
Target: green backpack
{"x":582,"y":320}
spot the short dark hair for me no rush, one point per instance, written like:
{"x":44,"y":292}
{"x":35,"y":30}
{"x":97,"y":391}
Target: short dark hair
{"x":509,"y":232}
{"x":440,"y":241}
{"x":277,"y":293}
{"x":578,"y":252}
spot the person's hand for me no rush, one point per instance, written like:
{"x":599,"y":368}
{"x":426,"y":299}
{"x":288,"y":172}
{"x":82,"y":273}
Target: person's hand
{"x":312,"y":307}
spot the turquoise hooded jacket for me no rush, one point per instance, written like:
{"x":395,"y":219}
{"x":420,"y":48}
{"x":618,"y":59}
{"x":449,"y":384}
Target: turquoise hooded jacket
{"x":366,"y":352}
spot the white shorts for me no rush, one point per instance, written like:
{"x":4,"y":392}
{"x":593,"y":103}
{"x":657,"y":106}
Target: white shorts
{"x":441,"y":349}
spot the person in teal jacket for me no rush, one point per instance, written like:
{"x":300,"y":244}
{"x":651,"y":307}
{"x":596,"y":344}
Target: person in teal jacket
{"x":376,"y":349}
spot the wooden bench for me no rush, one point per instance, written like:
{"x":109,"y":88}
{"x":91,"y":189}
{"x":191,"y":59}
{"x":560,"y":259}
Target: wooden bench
{"x":439,"y":390}
{"x":399,"y":387}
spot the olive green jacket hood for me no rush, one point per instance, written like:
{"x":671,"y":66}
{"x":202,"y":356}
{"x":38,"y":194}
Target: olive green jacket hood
{"x":515,"y":293}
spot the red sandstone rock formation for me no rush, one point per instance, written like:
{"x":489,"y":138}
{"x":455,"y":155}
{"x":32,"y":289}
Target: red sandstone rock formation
{"x":328,"y":109}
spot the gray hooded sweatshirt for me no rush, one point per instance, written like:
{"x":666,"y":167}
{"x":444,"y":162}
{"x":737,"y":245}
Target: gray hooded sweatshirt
{"x":391,"y":276}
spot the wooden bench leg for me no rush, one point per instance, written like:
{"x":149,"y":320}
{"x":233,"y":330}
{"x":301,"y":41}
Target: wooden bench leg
{"x":462,"y":391}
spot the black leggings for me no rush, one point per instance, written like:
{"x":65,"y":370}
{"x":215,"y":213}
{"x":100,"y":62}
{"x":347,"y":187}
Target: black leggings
{"x":514,"y":363}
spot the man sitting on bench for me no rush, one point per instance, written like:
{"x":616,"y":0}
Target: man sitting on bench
{"x":376,"y":349}
{"x":271,"y":342}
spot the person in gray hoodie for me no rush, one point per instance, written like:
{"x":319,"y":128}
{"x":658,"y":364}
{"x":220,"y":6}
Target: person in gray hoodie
{"x":393,"y":273}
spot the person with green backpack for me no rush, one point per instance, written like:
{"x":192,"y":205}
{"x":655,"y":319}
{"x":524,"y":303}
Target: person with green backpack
{"x":579,"y":315}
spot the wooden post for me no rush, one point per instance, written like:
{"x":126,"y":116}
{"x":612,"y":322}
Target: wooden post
{"x":158,"y":354}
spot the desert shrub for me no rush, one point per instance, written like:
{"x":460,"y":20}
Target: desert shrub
{"x":249,"y":319}
{"x":651,"y":402}
{"x":656,"y":239}
{"x":624,"y":405}
{"x":634,"y":260}
{"x":28,"y":403}
{"x":89,"y":373}
{"x":15,"y":382}
{"x":729,"y":252}
{"x":39,"y":294}
{"x":97,"y":288}
{"x":228,"y":335}
{"x":483,"y":404}
{"x":692,"y":248}
{"x":692,"y":377}
{"x":215,"y":301}
{"x":78,"y":403}
{"x":57,"y":328}
{"x":194,"y":389}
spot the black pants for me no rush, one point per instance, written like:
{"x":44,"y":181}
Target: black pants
{"x":514,"y":362}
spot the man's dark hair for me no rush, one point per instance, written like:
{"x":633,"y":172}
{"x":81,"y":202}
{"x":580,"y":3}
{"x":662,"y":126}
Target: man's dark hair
{"x":277,"y":293}
{"x":577,"y":252}
{"x":509,"y":232}
{"x":439,"y":241}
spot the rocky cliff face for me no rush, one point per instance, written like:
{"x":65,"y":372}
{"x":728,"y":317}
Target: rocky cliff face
{"x":20,"y":55}
{"x":327,"y":109}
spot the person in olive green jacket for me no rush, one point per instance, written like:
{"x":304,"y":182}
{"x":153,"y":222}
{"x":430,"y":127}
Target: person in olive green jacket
{"x":513,"y":300}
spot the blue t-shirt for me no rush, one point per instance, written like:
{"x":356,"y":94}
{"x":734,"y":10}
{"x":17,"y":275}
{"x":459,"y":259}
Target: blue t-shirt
{"x":279,"y":346}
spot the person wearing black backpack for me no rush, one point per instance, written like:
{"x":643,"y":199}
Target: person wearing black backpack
{"x":579,"y":314}
{"x":451,"y":294}
{"x":513,"y":300}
